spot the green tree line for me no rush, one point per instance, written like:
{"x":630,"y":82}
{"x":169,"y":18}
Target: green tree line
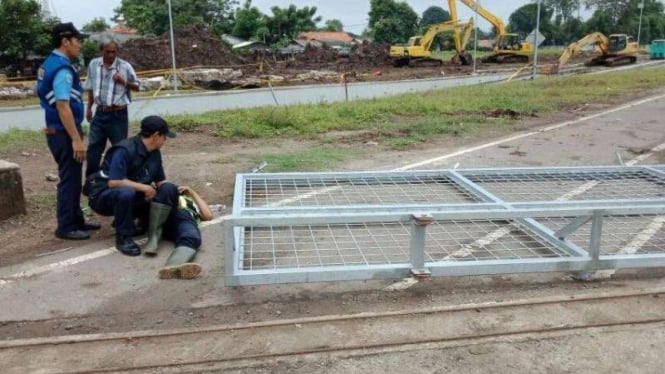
{"x":561,"y":24}
{"x":24,"y":28}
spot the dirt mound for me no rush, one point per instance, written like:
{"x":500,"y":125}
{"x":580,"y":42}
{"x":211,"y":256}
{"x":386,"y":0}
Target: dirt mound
{"x":371,"y":54}
{"x":313,"y":58}
{"x":361,"y":56}
{"x":193,"y":46}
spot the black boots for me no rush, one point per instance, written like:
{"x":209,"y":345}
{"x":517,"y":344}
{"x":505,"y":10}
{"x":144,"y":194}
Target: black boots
{"x":126,"y":245}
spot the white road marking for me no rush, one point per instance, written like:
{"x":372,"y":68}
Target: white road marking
{"x":521,"y":136}
{"x":467,"y":250}
{"x":644,"y":236}
{"x":578,"y":191}
{"x":76,"y":260}
{"x":105,"y":252}
{"x":638,"y":241}
{"x":56,"y":265}
{"x":304,"y":196}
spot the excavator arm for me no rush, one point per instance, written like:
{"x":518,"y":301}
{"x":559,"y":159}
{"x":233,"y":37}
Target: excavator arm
{"x":419,"y":46}
{"x":466,"y":35}
{"x":473,"y":5}
{"x":435,"y":30}
{"x":507,"y":46}
{"x":594,"y":38}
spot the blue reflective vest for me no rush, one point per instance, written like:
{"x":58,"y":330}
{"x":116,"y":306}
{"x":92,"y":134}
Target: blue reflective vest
{"x":45,"y":78}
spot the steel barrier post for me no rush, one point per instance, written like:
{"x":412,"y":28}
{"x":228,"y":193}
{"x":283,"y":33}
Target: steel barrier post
{"x":417,"y":247}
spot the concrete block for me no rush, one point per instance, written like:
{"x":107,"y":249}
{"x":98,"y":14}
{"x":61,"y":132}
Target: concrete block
{"x":12,"y":201}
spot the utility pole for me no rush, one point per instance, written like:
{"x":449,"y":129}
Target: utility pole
{"x":173,"y":73}
{"x":639,"y":27}
{"x":535,"y":43}
{"x":45,"y":9}
{"x":475,"y":37}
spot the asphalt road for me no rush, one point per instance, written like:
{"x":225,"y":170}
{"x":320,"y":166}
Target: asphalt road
{"x":32,"y":118}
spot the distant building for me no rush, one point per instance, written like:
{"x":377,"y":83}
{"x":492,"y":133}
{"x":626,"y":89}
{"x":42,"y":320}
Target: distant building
{"x":484,"y":44}
{"x":253,"y":46}
{"x":329,"y":38}
{"x":120,"y":33}
{"x":232,"y":40}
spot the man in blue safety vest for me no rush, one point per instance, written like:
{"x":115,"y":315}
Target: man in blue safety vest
{"x":60,"y":94}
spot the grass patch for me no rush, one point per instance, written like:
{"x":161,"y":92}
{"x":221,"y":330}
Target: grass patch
{"x":429,"y":111}
{"x":42,"y":202}
{"x":414,"y":117}
{"x":310,"y":160}
{"x":10,"y":103}
{"x":16,"y":139}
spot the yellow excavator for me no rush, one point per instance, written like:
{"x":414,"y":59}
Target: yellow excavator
{"x":615,"y":49}
{"x":418,"y":48}
{"x":508,"y":47}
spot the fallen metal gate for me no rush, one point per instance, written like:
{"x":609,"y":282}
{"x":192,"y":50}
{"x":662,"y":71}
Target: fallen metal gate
{"x":312,"y":227}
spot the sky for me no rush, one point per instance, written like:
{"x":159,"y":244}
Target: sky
{"x":352,"y":13}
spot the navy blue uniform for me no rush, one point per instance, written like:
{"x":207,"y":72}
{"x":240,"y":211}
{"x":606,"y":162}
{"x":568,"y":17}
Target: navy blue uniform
{"x":131,"y":160}
{"x":57,"y":80}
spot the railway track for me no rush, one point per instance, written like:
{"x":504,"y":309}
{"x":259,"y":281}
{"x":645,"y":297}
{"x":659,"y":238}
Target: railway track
{"x":251,"y":344}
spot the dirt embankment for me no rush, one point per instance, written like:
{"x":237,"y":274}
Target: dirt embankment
{"x":194,"y":46}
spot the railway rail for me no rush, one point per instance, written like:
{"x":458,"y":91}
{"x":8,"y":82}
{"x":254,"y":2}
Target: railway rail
{"x":251,"y":344}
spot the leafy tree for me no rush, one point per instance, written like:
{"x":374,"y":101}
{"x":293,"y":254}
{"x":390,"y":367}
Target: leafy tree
{"x":22,"y":30}
{"x":571,"y":30}
{"x":96,"y":25}
{"x":89,"y":50}
{"x":601,"y":21}
{"x":613,"y":9}
{"x":151,"y":16}
{"x":622,"y":16}
{"x":263,"y":33}
{"x":564,"y":9}
{"x":247,"y":21}
{"x":432,"y":15}
{"x":333,"y":25}
{"x":523,"y":20}
{"x":287,"y":23}
{"x":391,"y":21}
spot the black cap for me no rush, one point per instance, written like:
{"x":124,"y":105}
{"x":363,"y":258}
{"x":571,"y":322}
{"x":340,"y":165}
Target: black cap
{"x":65,"y":30}
{"x":153,"y":124}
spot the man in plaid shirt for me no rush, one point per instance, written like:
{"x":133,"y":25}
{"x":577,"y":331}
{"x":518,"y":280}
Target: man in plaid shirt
{"x":109,"y":84}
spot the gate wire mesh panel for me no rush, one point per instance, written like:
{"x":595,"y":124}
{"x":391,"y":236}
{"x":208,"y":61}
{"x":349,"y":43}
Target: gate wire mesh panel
{"x":563,"y":186}
{"x":462,"y":240}
{"x":342,"y":191}
{"x":622,"y":235}
{"x":388,"y":243}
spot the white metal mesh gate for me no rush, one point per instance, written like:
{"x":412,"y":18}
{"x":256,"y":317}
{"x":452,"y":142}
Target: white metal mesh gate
{"x":306,"y":227}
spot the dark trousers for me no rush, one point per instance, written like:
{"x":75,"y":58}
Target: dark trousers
{"x":181,"y":228}
{"x":105,"y":126}
{"x":126,"y":204}
{"x":70,"y":172}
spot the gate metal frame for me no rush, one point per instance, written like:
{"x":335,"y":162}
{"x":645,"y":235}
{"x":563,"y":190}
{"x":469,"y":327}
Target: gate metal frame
{"x":528,"y":215}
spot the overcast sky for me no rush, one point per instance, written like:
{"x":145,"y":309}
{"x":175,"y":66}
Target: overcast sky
{"x":352,"y":13}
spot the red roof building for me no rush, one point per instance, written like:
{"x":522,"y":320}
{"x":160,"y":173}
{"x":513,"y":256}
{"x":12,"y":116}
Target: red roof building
{"x":328,"y":37}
